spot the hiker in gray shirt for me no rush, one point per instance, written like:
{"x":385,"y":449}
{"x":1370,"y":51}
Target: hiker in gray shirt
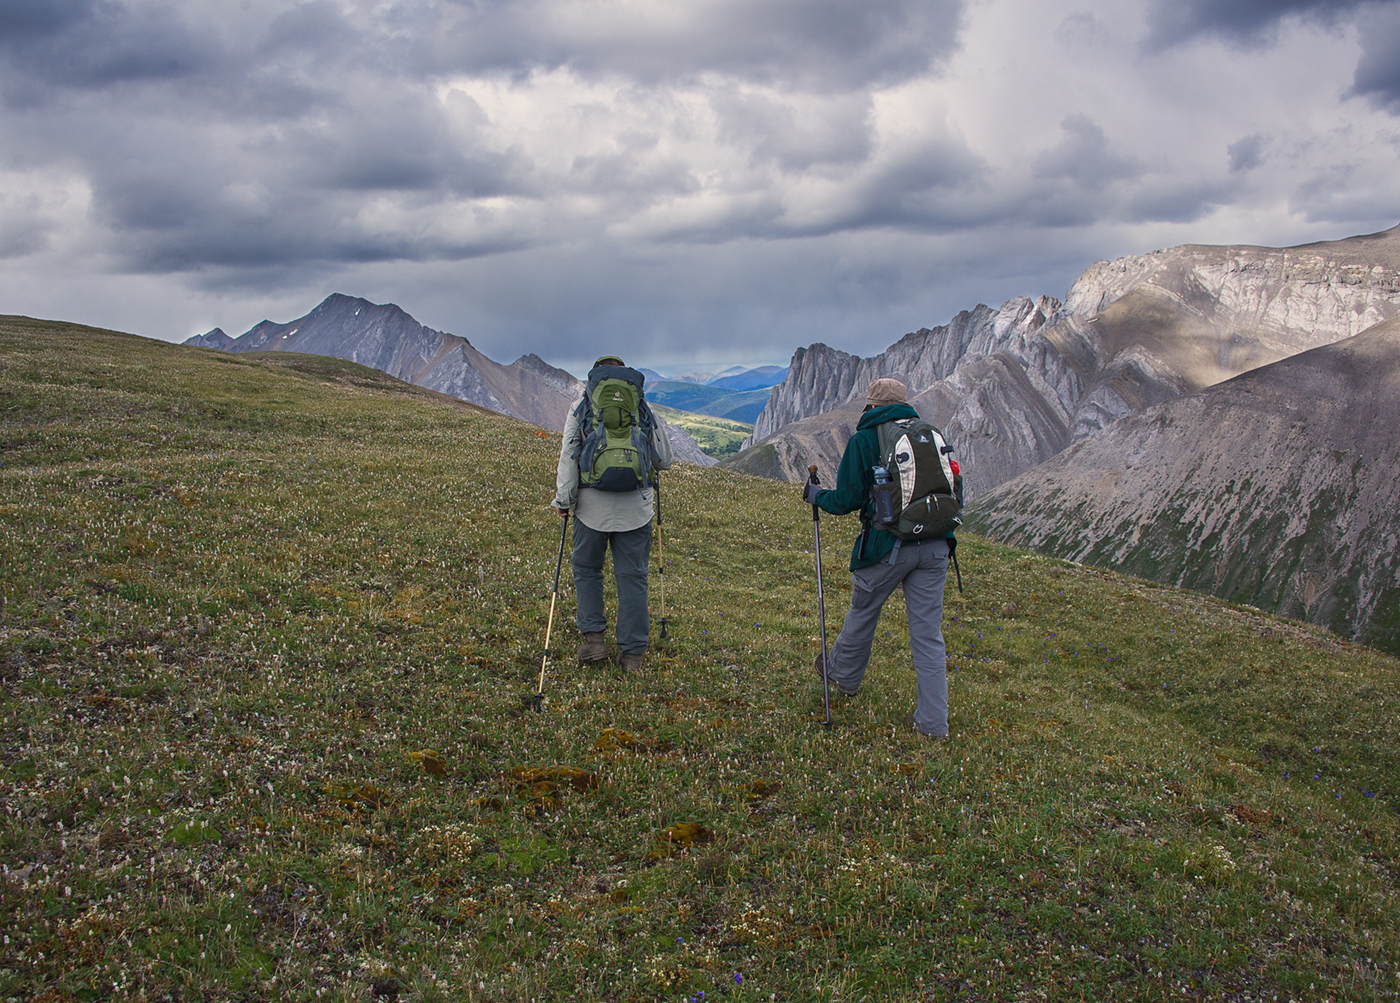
{"x":613,"y":444}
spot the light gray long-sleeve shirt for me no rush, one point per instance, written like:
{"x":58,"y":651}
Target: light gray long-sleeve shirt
{"x":604,"y":511}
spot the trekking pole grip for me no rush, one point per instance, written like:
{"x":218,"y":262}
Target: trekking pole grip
{"x":812,"y":478}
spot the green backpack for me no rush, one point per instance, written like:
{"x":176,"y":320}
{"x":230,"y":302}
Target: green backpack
{"x":617,"y":425}
{"x":922,"y":498}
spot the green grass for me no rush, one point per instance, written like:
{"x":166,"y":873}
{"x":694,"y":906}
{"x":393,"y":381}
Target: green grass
{"x":718,"y":437}
{"x":244,"y":597}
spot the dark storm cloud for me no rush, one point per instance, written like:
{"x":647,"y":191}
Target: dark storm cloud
{"x":23,"y":227}
{"x":837,"y":132}
{"x":1244,"y":23}
{"x":223,"y":157}
{"x":1246,"y":153}
{"x":276,"y":137}
{"x":101,"y":43}
{"x":1083,"y":157}
{"x":392,"y":139}
{"x":21,"y":20}
{"x":926,"y":187}
{"x":1176,"y":202}
{"x":822,"y":44}
{"x":1378,"y":72}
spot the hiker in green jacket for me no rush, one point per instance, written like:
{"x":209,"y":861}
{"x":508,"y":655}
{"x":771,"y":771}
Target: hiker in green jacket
{"x":606,"y":517}
{"x":880,"y":562}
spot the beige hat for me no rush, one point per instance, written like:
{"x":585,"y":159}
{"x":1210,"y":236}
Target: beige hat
{"x":886,"y":391}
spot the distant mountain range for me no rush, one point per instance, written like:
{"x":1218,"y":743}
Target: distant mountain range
{"x":710,"y":399}
{"x":733,"y":378}
{"x":384,"y":337}
{"x":1125,"y":430}
{"x":759,"y":378}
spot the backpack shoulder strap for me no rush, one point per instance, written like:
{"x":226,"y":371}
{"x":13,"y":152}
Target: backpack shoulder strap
{"x":888,"y":433}
{"x":583,"y":409}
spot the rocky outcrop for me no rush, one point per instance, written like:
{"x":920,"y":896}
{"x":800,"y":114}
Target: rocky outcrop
{"x":1131,"y":334}
{"x":1276,"y":488}
{"x":821,"y":378}
{"x":384,"y":337}
{"x":1007,"y":400}
{"x":684,"y":448}
{"x":990,"y":410}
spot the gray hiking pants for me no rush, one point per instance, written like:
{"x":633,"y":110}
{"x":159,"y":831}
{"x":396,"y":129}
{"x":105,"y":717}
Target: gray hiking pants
{"x":922,"y":569}
{"x":631,"y":551}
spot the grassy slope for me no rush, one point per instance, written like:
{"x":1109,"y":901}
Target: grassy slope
{"x":241,"y":592}
{"x":718,"y":437}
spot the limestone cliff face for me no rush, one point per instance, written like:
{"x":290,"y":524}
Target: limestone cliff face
{"x":1006,"y":386}
{"x":384,"y":337}
{"x":1131,"y":334}
{"x":1292,"y":299}
{"x":1276,"y":488}
{"x":820,"y":378}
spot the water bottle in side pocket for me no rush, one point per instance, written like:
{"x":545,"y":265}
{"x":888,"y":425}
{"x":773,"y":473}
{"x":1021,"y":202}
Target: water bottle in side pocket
{"x":882,"y":495}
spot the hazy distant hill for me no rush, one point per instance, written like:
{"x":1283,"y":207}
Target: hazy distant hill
{"x":1277,"y":488}
{"x":1018,"y":384}
{"x":719,"y":402}
{"x":384,"y":337}
{"x":760,"y":378}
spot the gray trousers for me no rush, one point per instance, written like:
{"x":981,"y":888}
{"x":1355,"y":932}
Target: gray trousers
{"x":631,"y":552}
{"x":922,"y":569}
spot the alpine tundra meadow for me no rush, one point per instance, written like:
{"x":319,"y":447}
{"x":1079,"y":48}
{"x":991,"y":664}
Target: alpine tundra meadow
{"x":268,"y":626}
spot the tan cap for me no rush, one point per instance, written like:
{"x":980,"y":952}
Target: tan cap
{"x":886,"y":391}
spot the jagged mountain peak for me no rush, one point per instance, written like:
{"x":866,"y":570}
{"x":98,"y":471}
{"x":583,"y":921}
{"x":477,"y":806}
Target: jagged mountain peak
{"x":386,"y":337}
{"x":215,"y":338}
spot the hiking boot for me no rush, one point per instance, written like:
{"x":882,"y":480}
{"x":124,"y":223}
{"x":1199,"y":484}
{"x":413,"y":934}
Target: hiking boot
{"x":909,"y":723}
{"x":817,"y":664}
{"x":594,"y":648}
{"x":632,"y":662}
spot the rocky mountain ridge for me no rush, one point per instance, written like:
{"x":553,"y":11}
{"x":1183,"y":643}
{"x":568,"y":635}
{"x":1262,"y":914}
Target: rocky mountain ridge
{"x":1276,"y":488}
{"x":386,"y":338}
{"x":1017,"y":384}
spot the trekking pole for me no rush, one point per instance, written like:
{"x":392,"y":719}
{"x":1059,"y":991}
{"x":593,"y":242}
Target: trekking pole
{"x":821,"y":599}
{"x":660,"y":558}
{"x":536,"y":702}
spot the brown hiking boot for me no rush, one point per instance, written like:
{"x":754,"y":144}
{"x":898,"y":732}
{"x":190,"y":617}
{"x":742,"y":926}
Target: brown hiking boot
{"x":594,"y":648}
{"x":909,"y":723}
{"x":817,"y":665}
{"x":632,"y":662}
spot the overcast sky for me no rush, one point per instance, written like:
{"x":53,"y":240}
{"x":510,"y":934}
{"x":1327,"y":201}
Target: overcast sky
{"x":692,"y":182}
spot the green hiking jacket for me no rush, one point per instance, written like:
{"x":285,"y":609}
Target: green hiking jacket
{"x":854,"y":480}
